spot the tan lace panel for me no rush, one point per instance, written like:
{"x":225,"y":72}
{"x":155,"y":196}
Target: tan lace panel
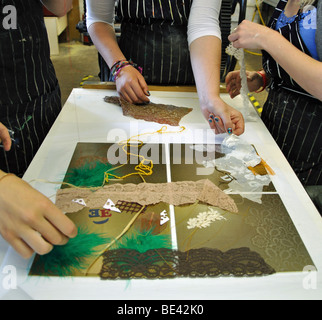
{"x":174,"y":193}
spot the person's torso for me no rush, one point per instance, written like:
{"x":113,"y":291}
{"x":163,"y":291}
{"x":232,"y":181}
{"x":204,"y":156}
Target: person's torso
{"x":26,"y":70}
{"x":293,"y":31}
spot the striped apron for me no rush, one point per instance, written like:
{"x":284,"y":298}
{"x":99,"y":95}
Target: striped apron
{"x":154,"y":35}
{"x":29,"y":92}
{"x":292,"y":115}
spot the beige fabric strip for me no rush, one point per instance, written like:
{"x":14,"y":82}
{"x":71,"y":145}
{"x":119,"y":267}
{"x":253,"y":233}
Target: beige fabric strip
{"x":174,"y":193}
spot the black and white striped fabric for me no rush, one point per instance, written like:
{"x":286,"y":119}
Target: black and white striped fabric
{"x":154,"y":35}
{"x":29,"y":92}
{"x":292,"y":115}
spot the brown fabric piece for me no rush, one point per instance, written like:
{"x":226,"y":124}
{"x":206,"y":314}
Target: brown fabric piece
{"x":196,"y":263}
{"x":159,"y":113}
{"x":175,"y":193}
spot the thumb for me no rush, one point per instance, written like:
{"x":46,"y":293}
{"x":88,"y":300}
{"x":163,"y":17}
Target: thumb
{"x":5,"y":137}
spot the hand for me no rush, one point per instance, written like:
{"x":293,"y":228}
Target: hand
{"x":131,"y":85}
{"x":233,"y":82}
{"x":250,"y":35}
{"x":223,"y":118}
{"x":5,"y":137}
{"x":29,"y":221}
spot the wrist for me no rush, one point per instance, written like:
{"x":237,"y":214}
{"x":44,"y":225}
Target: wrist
{"x":268,"y":39}
{"x":119,"y":66}
{"x":263,"y":80}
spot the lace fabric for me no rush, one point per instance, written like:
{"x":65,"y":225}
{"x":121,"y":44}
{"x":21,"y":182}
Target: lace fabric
{"x":159,"y":113}
{"x":175,"y":193}
{"x":196,"y":263}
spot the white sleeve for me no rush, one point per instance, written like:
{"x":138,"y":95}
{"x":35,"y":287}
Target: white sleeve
{"x":204,"y":19}
{"x":100,"y":11}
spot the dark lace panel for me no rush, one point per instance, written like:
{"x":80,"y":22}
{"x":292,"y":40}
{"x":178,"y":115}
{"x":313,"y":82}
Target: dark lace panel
{"x":196,"y":263}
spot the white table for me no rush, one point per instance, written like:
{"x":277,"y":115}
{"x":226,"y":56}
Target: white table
{"x":86,"y":118}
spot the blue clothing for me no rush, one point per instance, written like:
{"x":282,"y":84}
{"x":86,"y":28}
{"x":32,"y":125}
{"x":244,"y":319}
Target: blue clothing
{"x":307,"y":28}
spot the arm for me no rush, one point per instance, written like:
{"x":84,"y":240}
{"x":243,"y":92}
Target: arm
{"x":58,"y":7}
{"x":29,"y":221}
{"x":130,"y":83}
{"x":306,"y":71}
{"x":205,"y":50}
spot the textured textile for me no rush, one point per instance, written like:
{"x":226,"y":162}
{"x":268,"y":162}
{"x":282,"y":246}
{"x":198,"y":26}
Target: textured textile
{"x":196,"y":263}
{"x":175,"y":193}
{"x":295,"y":123}
{"x":29,"y":92}
{"x":159,"y":113}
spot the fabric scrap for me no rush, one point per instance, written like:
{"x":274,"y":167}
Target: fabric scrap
{"x":159,"y":113}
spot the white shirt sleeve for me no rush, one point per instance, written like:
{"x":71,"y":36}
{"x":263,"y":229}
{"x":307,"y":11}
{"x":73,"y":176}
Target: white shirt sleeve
{"x":100,"y":11}
{"x":204,"y":19}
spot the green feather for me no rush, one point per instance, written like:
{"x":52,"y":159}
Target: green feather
{"x":143,"y":241}
{"x":91,"y":174}
{"x":62,"y":261}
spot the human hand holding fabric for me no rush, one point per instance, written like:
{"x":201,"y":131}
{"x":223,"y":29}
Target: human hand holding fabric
{"x":250,"y":35}
{"x":29,"y":221}
{"x":233,"y":82}
{"x":130,"y":84}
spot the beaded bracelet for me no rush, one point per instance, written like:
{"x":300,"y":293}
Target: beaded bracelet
{"x":119,"y":65}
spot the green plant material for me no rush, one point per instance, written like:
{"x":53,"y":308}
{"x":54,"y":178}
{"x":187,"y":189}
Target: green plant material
{"x":143,"y":241}
{"x":62,"y":261}
{"x":90,"y":175}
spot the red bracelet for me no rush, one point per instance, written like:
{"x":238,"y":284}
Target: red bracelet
{"x":263,"y":75}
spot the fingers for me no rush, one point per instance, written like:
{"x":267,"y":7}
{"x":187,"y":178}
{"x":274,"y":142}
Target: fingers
{"x":66,"y":227}
{"x":29,"y":221}
{"x":33,"y":240}
{"x":132,"y":86}
{"x":218,"y":125}
{"x":5,"y":137}
{"x":233,"y":83}
{"x":239,"y":123}
{"x":22,"y":248}
{"x":144,"y":87}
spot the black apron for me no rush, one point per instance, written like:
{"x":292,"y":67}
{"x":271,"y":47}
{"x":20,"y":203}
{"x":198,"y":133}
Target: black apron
{"x":30,"y":97}
{"x":292,"y":115}
{"x":154,"y":36}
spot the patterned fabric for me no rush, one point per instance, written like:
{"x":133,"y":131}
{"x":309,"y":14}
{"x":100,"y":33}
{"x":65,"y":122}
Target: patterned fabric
{"x":292,"y":115}
{"x":196,"y":263}
{"x":30,"y":95}
{"x":294,"y":121}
